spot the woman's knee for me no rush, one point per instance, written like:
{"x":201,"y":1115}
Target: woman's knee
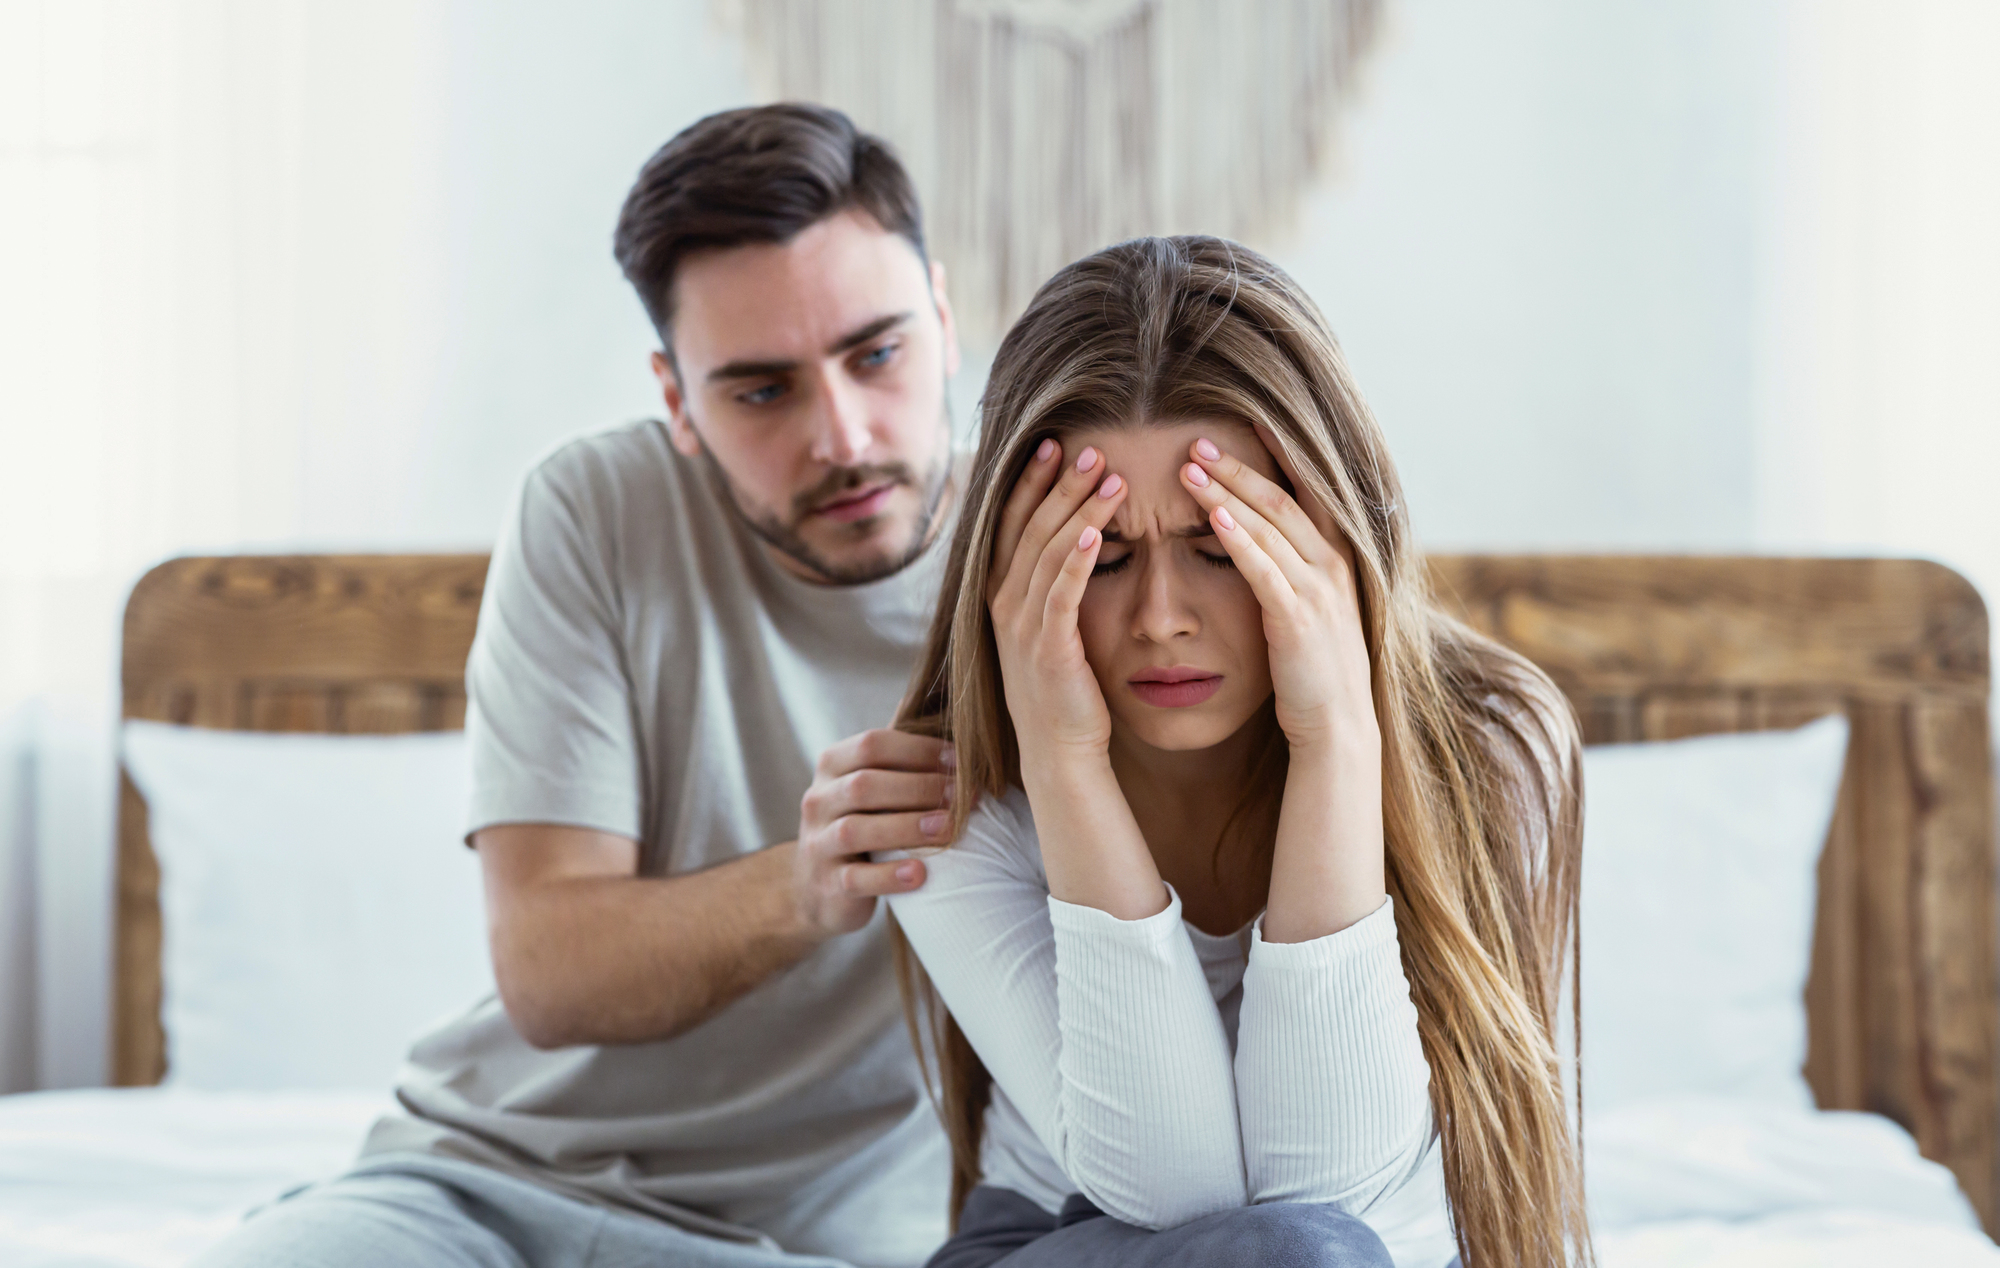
{"x":1294,"y":1235}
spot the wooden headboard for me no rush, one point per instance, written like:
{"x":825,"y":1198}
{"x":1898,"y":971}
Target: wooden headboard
{"x":347,"y":644}
{"x":1904,"y":1000}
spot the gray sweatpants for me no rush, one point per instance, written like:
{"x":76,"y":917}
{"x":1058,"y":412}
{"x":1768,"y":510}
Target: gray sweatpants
{"x":415,"y":1211}
{"x":1001,"y":1229}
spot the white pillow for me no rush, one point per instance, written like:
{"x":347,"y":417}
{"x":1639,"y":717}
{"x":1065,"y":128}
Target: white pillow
{"x":320,"y":906}
{"x":1700,"y":862}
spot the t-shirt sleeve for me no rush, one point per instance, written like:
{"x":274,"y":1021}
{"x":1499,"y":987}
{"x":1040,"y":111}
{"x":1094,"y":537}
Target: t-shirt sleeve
{"x":549,"y":717}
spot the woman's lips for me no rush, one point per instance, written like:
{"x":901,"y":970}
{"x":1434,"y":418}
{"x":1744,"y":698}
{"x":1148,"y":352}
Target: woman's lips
{"x":1176,"y":689}
{"x":860,"y":506}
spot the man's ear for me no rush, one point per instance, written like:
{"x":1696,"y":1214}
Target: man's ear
{"x":679,"y":430}
{"x":945,"y":319}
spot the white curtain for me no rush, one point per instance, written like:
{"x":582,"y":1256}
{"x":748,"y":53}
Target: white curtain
{"x":188,"y":309}
{"x":1879,"y":417}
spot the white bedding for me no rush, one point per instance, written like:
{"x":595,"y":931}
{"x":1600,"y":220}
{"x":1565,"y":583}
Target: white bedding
{"x":149,"y":1176}
{"x":1723,"y":1183}
{"x":117,"y":1179}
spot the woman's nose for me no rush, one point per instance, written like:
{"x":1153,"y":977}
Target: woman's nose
{"x":1163,"y":611}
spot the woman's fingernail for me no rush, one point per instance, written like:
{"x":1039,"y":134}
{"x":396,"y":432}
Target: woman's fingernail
{"x":933,"y":824}
{"x":907,"y":873}
{"x":1224,"y":518}
{"x":1196,"y":476}
{"x":1046,"y":452}
{"x":1087,"y":538}
{"x":948,"y":759}
{"x":1206,"y":448}
{"x":1110,"y":487}
{"x":1086,"y":460}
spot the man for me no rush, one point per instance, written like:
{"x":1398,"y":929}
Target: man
{"x":693,"y":635}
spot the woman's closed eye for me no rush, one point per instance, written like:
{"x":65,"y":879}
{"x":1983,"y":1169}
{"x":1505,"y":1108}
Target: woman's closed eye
{"x":1111,"y":567}
{"x":1107,"y":567}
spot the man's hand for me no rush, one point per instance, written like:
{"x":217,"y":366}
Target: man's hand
{"x":879,"y":790}
{"x":585,"y":951}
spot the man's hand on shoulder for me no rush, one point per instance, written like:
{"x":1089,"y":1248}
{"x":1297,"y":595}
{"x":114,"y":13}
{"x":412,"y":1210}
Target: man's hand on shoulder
{"x":586,"y":951}
{"x":877,"y":791}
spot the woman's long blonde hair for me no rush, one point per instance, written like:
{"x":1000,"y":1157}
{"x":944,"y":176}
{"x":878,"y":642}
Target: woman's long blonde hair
{"x":1480,"y":765}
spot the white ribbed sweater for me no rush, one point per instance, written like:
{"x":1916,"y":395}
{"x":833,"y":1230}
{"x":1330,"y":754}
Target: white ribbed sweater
{"x":1167,"y":1074}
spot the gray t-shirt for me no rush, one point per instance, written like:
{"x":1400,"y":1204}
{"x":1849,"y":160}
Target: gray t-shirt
{"x":643,"y":668}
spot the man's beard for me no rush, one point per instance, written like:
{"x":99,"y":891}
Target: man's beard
{"x":784,"y":536}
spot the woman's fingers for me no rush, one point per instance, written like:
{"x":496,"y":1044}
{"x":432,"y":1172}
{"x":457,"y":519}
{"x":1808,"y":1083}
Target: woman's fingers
{"x":1262,"y":498}
{"x":1066,"y":591}
{"x":1029,"y":492}
{"x":1246,"y":520}
{"x":1274,"y":590}
{"x":1072,"y":489}
{"x":1072,"y":552}
{"x":1321,"y":517}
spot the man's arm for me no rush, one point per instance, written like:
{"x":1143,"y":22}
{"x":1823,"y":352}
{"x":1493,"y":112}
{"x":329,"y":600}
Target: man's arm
{"x":585,"y":951}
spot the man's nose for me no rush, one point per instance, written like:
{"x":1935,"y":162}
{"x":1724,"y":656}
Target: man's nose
{"x":842,"y":435}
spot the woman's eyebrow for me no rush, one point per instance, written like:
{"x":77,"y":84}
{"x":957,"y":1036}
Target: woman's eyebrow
{"x":1200,"y":528}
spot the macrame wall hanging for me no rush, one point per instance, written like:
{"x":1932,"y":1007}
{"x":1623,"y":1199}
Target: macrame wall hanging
{"x":1040,"y":130}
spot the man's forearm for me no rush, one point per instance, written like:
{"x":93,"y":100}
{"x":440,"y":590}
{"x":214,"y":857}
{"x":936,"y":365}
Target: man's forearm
{"x":621,"y":960}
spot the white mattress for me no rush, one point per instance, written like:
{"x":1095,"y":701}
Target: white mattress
{"x":114,"y":1179}
{"x":150,"y":1176}
{"x":1720,"y":1184}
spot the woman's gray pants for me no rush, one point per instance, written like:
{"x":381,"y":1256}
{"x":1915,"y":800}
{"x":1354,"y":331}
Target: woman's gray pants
{"x":1001,"y":1229}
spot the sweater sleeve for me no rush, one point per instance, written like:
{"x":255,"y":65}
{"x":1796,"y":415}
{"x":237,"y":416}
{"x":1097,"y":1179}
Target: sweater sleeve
{"x":1330,"y":1074}
{"x":1101,"y":1031}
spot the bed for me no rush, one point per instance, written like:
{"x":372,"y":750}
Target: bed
{"x":1902,"y":1004}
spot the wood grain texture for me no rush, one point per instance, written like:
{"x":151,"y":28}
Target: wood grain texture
{"x":1634,"y":625}
{"x":1904,"y":998}
{"x":1903,"y":1003}
{"x":343,"y":644}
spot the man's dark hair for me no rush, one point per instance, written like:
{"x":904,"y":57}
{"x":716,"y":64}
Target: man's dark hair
{"x":760,"y":174}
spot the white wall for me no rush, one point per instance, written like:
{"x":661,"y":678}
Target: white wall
{"x":1879,"y":365}
{"x":1540,"y":254}
{"x":1540,"y":258}
{"x":1549,"y":252}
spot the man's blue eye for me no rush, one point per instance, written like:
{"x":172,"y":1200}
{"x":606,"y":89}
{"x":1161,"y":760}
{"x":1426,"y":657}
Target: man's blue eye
{"x":762,"y":395}
{"x":879,"y":356}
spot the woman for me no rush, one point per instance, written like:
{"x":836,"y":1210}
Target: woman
{"x":1252,"y":934}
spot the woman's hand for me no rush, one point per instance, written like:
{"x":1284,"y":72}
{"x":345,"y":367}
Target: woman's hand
{"x":1050,"y":535}
{"x":1327,"y":865}
{"x":1302,"y":572}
